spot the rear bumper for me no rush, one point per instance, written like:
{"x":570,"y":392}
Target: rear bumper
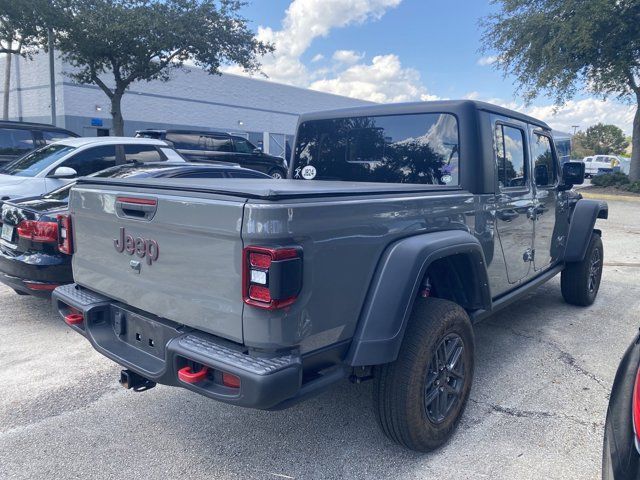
{"x":35,"y":273}
{"x":157,"y":349}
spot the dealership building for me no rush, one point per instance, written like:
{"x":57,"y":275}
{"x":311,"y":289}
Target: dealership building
{"x":265,"y":112}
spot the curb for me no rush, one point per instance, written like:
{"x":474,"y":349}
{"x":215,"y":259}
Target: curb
{"x":605,"y":196}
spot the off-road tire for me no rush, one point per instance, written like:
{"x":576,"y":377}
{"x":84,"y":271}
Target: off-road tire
{"x":579,"y":285}
{"x":400,"y":388}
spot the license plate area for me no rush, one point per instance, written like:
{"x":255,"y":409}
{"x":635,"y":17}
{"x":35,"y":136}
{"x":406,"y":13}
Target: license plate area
{"x":7,"y":232}
{"x":143,"y":333}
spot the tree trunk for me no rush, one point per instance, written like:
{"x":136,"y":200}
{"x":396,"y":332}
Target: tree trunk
{"x":634,"y":170}
{"x":7,"y":86}
{"x":116,"y":115}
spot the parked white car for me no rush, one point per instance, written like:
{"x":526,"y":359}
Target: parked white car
{"x":596,"y":162}
{"x":57,"y":164}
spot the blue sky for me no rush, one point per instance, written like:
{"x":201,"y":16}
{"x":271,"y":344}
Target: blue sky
{"x":400,"y":50}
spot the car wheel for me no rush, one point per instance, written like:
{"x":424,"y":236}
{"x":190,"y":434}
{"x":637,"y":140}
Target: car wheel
{"x":419,"y":398}
{"x":580,"y":281}
{"x":277,"y":174}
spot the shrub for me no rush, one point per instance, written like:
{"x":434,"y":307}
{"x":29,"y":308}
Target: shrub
{"x":616,"y":179}
{"x":632,"y":187}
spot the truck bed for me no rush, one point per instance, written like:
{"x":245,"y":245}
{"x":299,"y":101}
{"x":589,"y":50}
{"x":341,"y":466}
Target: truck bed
{"x":267,"y":189}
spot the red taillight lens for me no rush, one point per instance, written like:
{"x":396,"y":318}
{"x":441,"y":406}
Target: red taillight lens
{"x":635,"y":409}
{"x":259,"y":293}
{"x":38,"y":231}
{"x":260,"y":260}
{"x":65,"y":240}
{"x":272,"y":277}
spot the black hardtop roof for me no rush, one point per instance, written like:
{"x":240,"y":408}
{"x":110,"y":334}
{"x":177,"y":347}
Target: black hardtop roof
{"x":440,"y":106}
{"x":43,"y":126}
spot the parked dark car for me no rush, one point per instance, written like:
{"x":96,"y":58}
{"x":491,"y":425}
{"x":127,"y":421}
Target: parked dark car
{"x":621,"y":452}
{"x":18,"y":138}
{"x":200,"y":146}
{"x":30,"y":261}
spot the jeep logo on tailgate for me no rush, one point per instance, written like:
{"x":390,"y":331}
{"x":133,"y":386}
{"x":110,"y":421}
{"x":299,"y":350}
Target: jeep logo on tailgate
{"x":142,"y":247}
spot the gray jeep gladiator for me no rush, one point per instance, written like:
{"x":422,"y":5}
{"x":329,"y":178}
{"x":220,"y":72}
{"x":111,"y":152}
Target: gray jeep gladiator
{"x":399,"y":227}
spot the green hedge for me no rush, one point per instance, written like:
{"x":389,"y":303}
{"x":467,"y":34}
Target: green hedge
{"x":617,"y":180}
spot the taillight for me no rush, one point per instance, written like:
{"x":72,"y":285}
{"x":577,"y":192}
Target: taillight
{"x":272,"y":277}
{"x":635,"y":409}
{"x":38,"y":231}
{"x":65,"y":237}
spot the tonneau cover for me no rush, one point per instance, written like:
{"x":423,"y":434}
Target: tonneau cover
{"x":267,"y":189}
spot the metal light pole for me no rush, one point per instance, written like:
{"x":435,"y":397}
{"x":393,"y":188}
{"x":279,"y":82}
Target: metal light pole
{"x":52,"y":78}
{"x":575,"y":127}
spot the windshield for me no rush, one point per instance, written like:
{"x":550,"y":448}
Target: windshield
{"x":35,"y":162}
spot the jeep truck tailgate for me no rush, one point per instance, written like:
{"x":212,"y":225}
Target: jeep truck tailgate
{"x":180,"y":259}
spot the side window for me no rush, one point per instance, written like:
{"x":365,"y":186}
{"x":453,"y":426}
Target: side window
{"x":15,"y":141}
{"x":53,"y":136}
{"x":243,"y":146}
{"x":512,"y":170}
{"x":184,"y":141}
{"x":216,"y":143}
{"x":544,"y":163}
{"x":141,"y":153}
{"x":206,"y":174}
{"x":92,"y":160}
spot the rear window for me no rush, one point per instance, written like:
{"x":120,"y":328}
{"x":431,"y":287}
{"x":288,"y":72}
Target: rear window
{"x":421,"y":148}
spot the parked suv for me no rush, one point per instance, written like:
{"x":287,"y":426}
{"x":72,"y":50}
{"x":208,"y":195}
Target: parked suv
{"x":57,"y":164}
{"x":18,"y":138}
{"x":199,"y":146}
{"x":403,"y":225}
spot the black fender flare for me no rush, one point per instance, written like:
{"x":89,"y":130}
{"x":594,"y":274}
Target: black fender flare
{"x":581,"y":226}
{"x":394,"y":288}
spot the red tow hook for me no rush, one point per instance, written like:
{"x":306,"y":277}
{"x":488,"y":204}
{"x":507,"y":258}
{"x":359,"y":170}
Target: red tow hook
{"x":74,"y":319}
{"x":187,"y":375}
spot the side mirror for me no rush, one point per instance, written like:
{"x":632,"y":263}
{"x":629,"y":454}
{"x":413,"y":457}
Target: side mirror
{"x":257,"y":151}
{"x":64,"y":172}
{"x":572,"y":174}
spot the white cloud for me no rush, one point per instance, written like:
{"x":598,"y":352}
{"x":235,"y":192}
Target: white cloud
{"x":317,"y":58}
{"x":383,"y":80}
{"x":348,"y":57}
{"x":486,"y":61}
{"x":584,"y":113}
{"x":304,"y":21}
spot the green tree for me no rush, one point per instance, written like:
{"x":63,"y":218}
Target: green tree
{"x":560,"y":47}
{"x":23,"y":29}
{"x":143,"y":40}
{"x":605,"y":140}
{"x":578,"y":148}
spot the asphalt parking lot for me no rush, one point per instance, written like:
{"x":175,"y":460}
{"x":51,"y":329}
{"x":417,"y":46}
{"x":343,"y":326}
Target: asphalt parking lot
{"x":537,"y":409}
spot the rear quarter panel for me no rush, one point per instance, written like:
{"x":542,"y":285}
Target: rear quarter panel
{"x":342,"y":240}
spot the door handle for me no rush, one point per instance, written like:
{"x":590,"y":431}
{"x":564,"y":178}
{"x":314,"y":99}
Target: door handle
{"x":140,"y":208}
